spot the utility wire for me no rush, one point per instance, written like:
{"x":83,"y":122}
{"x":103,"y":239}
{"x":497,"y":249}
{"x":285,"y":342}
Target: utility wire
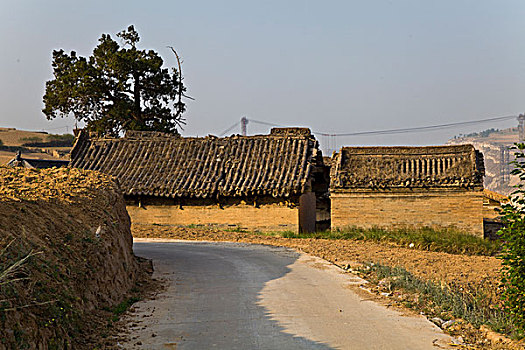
{"x":60,"y":127}
{"x":420,"y":128}
{"x":401,"y":130}
{"x":229,"y":129}
{"x":264,"y":123}
{"x":387,"y":131}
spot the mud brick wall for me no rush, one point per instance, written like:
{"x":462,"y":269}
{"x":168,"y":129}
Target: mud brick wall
{"x":396,"y":209}
{"x":491,"y":211}
{"x":266,"y":217}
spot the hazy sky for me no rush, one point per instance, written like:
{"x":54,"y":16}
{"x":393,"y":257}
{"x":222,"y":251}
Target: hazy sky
{"x":334,"y":66}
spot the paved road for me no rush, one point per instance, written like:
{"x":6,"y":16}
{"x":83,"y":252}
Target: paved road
{"x":239,"y":296}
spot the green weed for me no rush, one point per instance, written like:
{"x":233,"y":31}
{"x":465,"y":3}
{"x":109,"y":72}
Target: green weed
{"x":195,"y":226}
{"x":476,"y":305}
{"x":123,"y":307}
{"x":236,"y":229}
{"x":445,"y":240}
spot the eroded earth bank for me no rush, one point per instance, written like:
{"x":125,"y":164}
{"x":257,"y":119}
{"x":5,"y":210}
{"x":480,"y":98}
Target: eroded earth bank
{"x":66,"y":257}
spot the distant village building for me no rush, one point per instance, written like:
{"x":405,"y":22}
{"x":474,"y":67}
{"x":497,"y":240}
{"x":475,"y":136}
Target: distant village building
{"x":263,"y":182}
{"x":19,"y":161}
{"x":395,"y":187}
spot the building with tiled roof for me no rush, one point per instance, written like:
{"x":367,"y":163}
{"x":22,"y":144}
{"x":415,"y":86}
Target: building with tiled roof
{"x":266,"y":182}
{"x":31,"y":163}
{"x":436,"y":186}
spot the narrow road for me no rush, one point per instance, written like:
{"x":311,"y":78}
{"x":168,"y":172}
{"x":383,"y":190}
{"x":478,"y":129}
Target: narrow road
{"x":240,"y":296}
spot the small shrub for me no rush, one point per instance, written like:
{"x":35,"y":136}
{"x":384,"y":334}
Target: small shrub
{"x":65,"y":140}
{"x":237,"y":229}
{"x":513,"y":255}
{"x":64,"y":137}
{"x":31,"y":139}
{"x":123,"y":307}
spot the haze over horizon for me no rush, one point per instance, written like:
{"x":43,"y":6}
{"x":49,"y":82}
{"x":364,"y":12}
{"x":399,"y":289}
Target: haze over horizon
{"x":341,"y":67}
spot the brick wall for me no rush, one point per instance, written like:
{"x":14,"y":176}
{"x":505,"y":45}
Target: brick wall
{"x":265,"y":217}
{"x":434,"y":208}
{"x":491,"y":211}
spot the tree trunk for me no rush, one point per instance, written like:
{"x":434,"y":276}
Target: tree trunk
{"x":137,"y":113}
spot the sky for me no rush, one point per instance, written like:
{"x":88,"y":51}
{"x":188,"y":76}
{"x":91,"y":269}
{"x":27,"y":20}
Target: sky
{"x":334,"y":66}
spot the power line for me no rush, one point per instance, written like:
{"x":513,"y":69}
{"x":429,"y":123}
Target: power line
{"x":264,"y":123}
{"x":418,"y":129}
{"x":229,"y":129}
{"x":251,"y":121}
{"x":401,"y":130}
{"x":60,"y":127}
{"x":389,"y":131}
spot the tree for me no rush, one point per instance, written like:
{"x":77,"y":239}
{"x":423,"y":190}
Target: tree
{"x":117,"y":88}
{"x":513,"y":254}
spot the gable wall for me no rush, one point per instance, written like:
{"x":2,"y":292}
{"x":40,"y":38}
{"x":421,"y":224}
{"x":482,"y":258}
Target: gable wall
{"x":462,"y":209}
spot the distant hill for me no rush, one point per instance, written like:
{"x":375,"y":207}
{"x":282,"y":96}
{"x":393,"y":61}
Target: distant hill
{"x":33,"y":144}
{"x":494,"y":144}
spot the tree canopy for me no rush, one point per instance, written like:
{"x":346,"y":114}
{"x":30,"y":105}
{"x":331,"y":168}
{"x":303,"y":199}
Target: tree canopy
{"x":118,"y":87}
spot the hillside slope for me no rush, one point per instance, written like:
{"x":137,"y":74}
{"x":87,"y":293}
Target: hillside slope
{"x":33,"y":144}
{"x":494,"y":144}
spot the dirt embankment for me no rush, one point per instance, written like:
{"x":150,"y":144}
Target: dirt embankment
{"x":65,"y":254}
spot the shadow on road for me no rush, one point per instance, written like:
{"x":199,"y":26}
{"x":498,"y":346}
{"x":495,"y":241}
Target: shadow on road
{"x":212,"y":301}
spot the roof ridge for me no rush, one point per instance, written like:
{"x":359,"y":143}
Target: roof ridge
{"x":166,"y":165}
{"x":132,"y":135}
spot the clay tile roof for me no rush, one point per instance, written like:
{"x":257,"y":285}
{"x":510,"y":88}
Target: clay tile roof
{"x":390,"y":167}
{"x":31,"y":163}
{"x":165,"y":165}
